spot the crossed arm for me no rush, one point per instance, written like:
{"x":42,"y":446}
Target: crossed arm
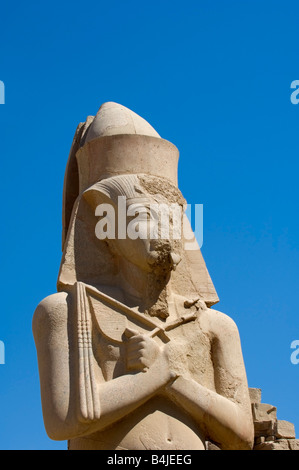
{"x":224,"y":414}
{"x":226,"y":419}
{"x":56,"y":346}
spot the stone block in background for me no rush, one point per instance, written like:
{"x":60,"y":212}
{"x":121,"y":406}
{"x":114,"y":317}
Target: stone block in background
{"x":285,"y":430}
{"x":263,"y":412}
{"x":255,"y":395}
{"x":280,"y":444}
{"x":264,"y":428}
{"x":294,"y":444}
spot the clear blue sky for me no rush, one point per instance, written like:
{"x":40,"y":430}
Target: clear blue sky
{"x":213,"y":77}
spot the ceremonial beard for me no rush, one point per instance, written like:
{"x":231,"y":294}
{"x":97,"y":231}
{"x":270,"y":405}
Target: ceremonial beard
{"x":157,"y":279}
{"x":160,"y":306}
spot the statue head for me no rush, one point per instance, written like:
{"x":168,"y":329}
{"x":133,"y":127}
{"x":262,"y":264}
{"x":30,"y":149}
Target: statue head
{"x":142,"y":219}
{"x":118,"y":160}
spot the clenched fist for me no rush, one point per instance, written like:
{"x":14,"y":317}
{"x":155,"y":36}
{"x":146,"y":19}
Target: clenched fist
{"x":142,"y":350}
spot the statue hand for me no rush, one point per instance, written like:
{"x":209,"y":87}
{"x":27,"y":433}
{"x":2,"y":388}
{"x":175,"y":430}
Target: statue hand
{"x":143,"y":353}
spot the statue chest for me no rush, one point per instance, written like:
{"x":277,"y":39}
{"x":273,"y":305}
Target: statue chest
{"x":189,"y":349}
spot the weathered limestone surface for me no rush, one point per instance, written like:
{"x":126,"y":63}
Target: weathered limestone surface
{"x":131,"y":355}
{"x":293,"y":444}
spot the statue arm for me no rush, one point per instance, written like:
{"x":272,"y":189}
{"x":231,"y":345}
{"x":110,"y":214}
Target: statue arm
{"x":125,"y":394}
{"x":55,"y":345}
{"x":224,"y":414}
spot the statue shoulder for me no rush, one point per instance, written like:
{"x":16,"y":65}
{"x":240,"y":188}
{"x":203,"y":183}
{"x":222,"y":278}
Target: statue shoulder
{"x":52,"y":311}
{"x":221,"y":325}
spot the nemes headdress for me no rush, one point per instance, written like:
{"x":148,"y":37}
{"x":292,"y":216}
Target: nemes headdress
{"x":116,"y":142}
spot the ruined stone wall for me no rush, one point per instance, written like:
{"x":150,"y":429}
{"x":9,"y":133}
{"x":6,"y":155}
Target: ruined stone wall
{"x":270,"y":433}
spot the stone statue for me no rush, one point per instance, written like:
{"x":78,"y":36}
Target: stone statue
{"x":131,"y":355}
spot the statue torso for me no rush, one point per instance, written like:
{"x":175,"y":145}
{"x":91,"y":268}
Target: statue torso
{"x":159,"y":423}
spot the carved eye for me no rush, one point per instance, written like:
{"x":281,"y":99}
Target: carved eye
{"x":142,"y":212}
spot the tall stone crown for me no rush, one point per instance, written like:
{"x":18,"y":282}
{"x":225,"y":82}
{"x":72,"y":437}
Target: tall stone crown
{"x":115,"y":119}
{"x":118,"y":141}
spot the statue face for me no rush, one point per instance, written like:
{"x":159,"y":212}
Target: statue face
{"x":147,"y":244}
